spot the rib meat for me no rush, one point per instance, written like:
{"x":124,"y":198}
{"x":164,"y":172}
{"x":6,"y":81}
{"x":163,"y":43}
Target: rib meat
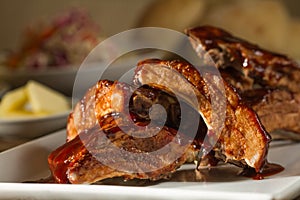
{"x":242,"y":141}
{"x":268,"y":81}
{"x":278,"y":110}
{"x":77,"y":161}
{"x":100,"y":115}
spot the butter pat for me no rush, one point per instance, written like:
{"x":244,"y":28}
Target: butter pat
{"x":13,"y":100}
{"x":45,"y":100}
{"x":33,"y":100}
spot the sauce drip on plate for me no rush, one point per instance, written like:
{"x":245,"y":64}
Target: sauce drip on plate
{"x":268,"y":170}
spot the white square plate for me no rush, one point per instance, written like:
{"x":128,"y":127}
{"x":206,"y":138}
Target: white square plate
{"x":29,"y":162}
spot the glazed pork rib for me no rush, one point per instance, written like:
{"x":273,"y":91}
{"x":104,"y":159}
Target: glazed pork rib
{"x":242,"y":140}
{"x":78,"y":161}
{"x":106,"y":117}
{"x":269,"y":82}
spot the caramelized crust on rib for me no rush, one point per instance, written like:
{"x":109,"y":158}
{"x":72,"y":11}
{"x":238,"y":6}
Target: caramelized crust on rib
{"x":265,"y":68}
{"x":105,"y":97}
{"x":242,"y":140}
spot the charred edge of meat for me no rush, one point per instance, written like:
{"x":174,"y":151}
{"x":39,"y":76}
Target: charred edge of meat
{"x":265,"y":68}
{"x":85,"y":112}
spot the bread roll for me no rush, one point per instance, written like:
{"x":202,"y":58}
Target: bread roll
{"x":264,"y":22}
{"x":173,"y":14}
{"x":293,"y":40}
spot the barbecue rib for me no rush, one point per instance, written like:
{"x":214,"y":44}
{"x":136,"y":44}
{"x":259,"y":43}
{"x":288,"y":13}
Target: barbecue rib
{"x":268,"y":81}
{"x":243,"y":140}
{"x":74,"y":163}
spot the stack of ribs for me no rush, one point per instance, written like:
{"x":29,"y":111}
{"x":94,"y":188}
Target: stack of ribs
{"x":259,"y":86}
